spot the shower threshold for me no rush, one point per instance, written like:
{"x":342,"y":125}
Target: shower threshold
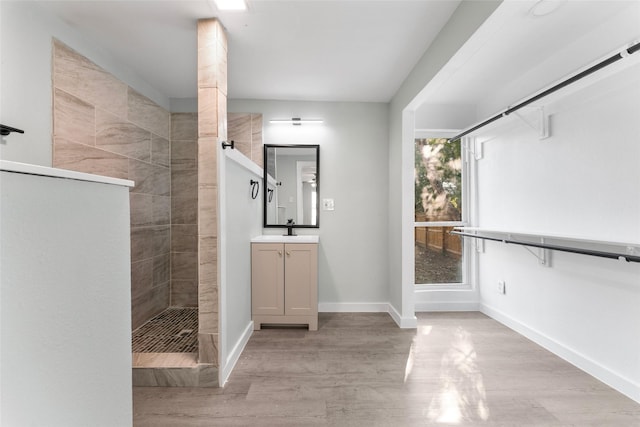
{"x":170,"y":339}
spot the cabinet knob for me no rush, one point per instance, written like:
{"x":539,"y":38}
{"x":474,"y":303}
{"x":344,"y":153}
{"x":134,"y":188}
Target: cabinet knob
{"x":280,"y":253}
{"x":288,"y":253}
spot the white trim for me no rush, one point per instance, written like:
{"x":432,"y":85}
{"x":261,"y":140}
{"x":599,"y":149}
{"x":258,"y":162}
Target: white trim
{"x":235,"y":354}
{"x":403,"y":322}
{"x":353,"y":307}
{"x":623,"y":385}
{"x":244,"y":161}
{"x":29,"y":169}
{"x":427,"y":306}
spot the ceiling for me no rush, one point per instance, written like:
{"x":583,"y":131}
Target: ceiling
{"x":322,"y":50}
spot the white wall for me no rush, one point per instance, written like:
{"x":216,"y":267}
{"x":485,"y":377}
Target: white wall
{"x":241,"y":220}
{"x":463,"y":23}
{"x":353,"y":254}
{"x":26,"y":30}
{"x":66,"y":303}
{"x":583,"y":181}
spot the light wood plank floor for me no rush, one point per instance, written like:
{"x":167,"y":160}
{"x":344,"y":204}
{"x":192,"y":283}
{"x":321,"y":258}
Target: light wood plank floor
{"x":360,"y":369}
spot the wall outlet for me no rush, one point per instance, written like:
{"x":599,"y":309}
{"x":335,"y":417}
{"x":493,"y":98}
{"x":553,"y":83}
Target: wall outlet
{"x":502,"y":288}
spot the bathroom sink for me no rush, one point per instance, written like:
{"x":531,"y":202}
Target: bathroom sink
{"x":274,"y":238}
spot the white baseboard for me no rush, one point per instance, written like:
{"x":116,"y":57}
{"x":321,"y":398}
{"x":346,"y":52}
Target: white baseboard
{"x":353,"y":307}
{"x":425,"y":306}
{"x":403,"y":322}
{"x":369,"y":307}
{"x":602,"y":373}
{"x":234,"y":355}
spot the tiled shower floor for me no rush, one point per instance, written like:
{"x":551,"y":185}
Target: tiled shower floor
{"x":175,"y":330}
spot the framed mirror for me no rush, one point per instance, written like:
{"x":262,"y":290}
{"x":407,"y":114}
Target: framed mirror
{"x":291,"y":186}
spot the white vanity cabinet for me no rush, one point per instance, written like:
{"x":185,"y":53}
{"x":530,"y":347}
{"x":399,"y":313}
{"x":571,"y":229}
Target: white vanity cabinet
{"x":284,"y":282}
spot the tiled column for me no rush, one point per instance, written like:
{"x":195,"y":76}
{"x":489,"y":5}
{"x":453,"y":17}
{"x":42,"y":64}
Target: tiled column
{"x":212,"y":111}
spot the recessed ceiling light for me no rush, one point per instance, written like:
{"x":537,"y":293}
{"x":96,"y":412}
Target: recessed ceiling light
{"x":231,"y":4}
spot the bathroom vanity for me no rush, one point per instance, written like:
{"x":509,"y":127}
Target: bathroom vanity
{"x":284,"y":281}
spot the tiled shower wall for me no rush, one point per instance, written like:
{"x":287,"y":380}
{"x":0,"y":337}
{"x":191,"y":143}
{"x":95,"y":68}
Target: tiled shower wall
{"x":102,"y":126}
{"x":184,"y":209}
{"x":245,"y":129}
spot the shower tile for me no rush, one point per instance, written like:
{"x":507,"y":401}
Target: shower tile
{"x":149,"y":179}
{"x":184,"y":154}
{"x":184,"y":183}
{"x":160,"y":151}
{"x":222,"y":116}
{"x":257,"y":150}
{"x":207,"y":111}
{"x":184,"y":211}
{"x":161,"y":268}
{"x":207,"y":162}
{"x":80,"y":77}
{"x":161,"y":240}
{"x":208,"y":348}
{"x":221,"y":66}
{"x":73,"y":119}
{"x":184,"y":265}
{"x":184,"y":238}
{"x":208,"y":254}
{"x":184,"y":293}
{"x":208,"y":66}
{"x":141,"y":243}
{"x":147,"y":305}
{"x":239,"y":131}
{"x":115,"y":134}
{"x":141,"y":206}
{"x":184,"y":126}
{"x":82,"y":158}
{"x":147,"y":114}
{"x":141,"y":277}
{"x":207,"y":211}
{"x":161,"y":206}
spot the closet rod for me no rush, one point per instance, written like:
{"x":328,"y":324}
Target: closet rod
{"x":625,"y":52}
{"x":601,"y":254}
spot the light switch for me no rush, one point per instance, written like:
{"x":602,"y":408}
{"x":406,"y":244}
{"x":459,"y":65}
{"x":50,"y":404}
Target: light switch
{"x":327,"y":205}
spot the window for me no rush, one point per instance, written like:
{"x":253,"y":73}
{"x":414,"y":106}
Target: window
{"x":439,"y":206}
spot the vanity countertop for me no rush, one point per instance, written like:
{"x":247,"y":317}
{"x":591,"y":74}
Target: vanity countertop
{"x":275,"y":238}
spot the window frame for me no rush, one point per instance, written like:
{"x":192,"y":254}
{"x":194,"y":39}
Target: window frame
{"x":465,"y":214}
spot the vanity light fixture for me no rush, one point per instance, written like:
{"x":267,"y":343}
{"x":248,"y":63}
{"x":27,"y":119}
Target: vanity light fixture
{"x":296,"y":121}
{"x":231,"y":4}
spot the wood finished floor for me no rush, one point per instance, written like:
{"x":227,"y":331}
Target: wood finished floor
{"x":461,"y":369}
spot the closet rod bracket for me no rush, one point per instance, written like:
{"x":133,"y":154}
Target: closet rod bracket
{"x":539,"y":121}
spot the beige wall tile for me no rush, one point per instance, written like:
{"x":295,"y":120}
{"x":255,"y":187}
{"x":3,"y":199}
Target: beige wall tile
{"x":184,"y":238}
{"x":208,"y":348}
{"x":160,"y":151}
{"x":161,"y":268}
{"x":221,"y":64}
{"x":184,"y":126}
{"x":141,"y":277}
{"x":257,"y":150}
{"x":184,"y":154}
{"x":141,"y":243}
{"x":208,"y":32}
{"x":117,"y":135}
{"x":207,"y":162}
{"x":147,"y":114}
{"x":207,"y":212}
{"x":222,"y":116}
{"x":184,"y":211}
{"x":208,"y":66}
{"x":73,"y":119}
{"x":184,"y":184}
{"x":83,"y":158}
{"x":207,"y":111}
{"x":141,"y":207}
{"x":161,"y":240}
{"x":161,"y":207}
{"x":184,"y":293}
{"x":147,"y":305}
{"x":77,"y":75}
{"x":239,"y":131}
{"x":150,"y":179}
{"x":184,"y":266}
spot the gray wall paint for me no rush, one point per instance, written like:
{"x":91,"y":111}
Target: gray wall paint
{"x":353,"y":171}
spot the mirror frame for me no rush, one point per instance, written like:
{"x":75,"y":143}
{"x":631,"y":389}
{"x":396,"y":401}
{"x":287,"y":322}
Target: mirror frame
{"x":265,"y":187}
